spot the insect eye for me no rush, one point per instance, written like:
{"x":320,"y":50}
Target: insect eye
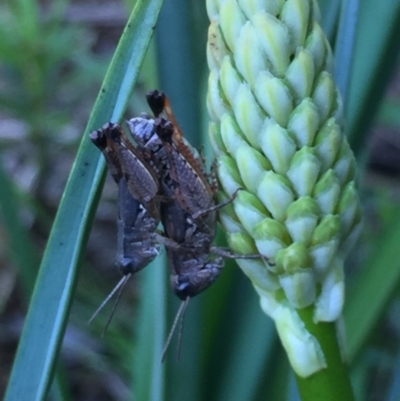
{"x":182,"y":286}
{"x":126,"y":266}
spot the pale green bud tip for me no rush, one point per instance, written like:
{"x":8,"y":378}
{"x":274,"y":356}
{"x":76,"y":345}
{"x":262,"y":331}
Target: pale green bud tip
{"x":277,"y":133}
{"x":303,"y":349}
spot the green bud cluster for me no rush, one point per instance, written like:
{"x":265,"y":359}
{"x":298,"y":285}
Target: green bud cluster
{"x":276,"y":128}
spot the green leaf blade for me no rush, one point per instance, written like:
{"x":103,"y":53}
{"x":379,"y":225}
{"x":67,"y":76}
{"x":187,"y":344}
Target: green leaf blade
{"x":47,"y":317}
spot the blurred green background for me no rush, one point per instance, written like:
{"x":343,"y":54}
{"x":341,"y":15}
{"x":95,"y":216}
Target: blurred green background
{"x":53,"y":58}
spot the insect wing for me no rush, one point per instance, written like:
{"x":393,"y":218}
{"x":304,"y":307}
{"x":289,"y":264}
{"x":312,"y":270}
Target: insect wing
{"x":141,"y":181}
{"x":140,"y":178}
{"x":192,"y":189}
{"x":161,"y":107}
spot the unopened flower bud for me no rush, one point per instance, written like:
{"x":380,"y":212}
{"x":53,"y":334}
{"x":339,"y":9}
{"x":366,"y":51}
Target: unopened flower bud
{"x":277,"y":133}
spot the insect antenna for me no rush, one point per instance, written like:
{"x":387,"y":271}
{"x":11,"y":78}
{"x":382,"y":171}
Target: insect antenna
{"x":178,"y":350}
{"x":179,"y":314}
{"x":120,"y":286}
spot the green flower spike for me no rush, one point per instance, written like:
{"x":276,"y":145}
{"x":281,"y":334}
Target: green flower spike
{"x":277,"y":132}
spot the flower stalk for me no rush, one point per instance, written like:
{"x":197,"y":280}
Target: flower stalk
{"x":277,"y":131}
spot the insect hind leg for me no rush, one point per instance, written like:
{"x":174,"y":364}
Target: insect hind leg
{"x":226,"y":253}
{"x":203,"y":212}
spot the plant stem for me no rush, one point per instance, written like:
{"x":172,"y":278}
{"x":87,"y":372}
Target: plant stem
{"x":332,"y":383}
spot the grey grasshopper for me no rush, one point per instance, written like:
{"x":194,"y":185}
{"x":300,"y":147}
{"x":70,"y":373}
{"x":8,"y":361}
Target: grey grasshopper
{"x":138,"y":208}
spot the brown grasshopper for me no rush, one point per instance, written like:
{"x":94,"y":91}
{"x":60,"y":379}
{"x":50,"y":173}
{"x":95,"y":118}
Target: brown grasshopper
{"x":189,"y":219}
{"x":138,"y":211}
{"x":192,"y":246}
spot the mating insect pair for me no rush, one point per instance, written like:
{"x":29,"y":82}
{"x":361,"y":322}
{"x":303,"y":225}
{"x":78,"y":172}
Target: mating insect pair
{"x":163,"y":179}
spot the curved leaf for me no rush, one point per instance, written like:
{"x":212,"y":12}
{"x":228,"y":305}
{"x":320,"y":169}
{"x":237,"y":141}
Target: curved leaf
{"x":375,"y":56}
{"x":45,"y":324}
{"x":372,"y":289}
